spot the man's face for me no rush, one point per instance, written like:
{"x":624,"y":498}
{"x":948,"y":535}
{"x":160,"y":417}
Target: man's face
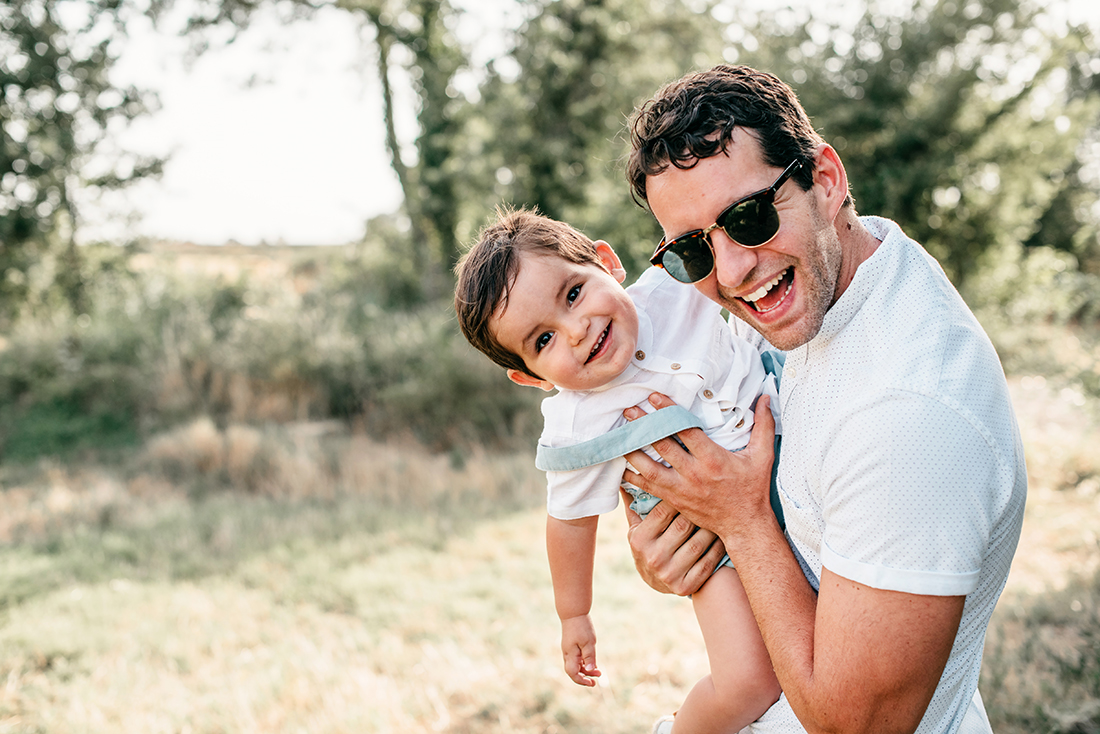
{"x":783,"y":288}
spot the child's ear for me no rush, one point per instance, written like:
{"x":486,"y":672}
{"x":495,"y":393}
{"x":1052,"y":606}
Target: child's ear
{"x":522,"y":378}
{"x":610,"y":261}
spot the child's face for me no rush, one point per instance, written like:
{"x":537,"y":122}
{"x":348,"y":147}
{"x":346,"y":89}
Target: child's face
{"x":572,"y":324}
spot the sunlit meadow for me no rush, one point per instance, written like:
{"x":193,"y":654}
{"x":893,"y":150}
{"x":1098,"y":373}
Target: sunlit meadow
{"x":258,"y":568}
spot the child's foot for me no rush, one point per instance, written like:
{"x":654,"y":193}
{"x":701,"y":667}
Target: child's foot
{"x":663,"y":725}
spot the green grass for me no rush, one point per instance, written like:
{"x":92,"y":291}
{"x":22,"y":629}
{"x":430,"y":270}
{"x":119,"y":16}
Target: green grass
{"x":373,"y":631}
{"x":303,"y":580}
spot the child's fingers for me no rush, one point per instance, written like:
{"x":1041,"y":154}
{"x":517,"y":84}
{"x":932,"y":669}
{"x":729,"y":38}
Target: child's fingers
{"x":581,"y":667}
{"x":588,"y":661}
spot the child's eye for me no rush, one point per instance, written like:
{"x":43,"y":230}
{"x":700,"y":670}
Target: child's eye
{"x":574,"y":293}
{"x":542,"y":341}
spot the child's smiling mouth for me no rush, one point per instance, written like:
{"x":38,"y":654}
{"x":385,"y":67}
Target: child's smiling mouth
{"x":599,"y":345}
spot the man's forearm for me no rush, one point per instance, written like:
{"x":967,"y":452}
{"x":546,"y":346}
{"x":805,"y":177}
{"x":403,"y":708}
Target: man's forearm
{"x":851,"y":658}
{"x":784,"y":605}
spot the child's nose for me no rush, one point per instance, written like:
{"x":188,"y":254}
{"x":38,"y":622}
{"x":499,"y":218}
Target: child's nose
{"x":577,"y":329}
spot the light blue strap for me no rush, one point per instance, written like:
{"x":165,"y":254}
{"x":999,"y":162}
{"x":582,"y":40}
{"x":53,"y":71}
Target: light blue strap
{"x":773,"y":363}
{"x":618,"y":441}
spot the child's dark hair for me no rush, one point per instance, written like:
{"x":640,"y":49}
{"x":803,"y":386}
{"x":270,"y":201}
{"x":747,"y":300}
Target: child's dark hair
{"x":486,"y":273}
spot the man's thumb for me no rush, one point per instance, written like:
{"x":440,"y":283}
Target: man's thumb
{"x":763,"y":429}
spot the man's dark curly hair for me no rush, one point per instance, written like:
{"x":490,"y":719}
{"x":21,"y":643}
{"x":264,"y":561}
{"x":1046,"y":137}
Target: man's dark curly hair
{"x":694,"y":117}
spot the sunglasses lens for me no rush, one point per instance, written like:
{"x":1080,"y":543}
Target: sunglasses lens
{"x":689,"y":258}
{"x":751,"y":223}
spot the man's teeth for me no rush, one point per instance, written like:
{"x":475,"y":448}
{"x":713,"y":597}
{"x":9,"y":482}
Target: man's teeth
{"x":763,"y":290}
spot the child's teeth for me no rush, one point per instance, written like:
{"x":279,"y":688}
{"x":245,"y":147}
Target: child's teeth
{"x":763,"y":290}
{"x":599,"y":342}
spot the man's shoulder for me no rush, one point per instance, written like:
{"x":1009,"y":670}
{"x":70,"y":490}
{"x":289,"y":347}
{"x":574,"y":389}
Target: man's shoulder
{"x":914,"y":323}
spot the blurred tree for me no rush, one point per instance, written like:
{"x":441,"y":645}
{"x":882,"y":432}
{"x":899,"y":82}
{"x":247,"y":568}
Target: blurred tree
{"x":563,"y":94}
{"x":56,"y":104}
{"x":431,"y":186}
{"x":413,"y":45}
{"x":962,"y":120}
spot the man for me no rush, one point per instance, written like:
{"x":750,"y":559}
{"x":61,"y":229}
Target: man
{"x":902,"y":476}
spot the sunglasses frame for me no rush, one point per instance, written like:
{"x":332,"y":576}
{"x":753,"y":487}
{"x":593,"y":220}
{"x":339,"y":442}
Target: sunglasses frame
{"x":767,"y":195}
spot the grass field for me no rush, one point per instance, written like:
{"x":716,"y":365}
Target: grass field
{"x":359,"y":587}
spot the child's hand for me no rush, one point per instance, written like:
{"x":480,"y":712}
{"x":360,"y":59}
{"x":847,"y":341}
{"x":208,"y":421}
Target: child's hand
{"x":578,"y":648}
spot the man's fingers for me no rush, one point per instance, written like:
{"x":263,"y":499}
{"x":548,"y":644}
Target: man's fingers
{"x":763,"y":429}
{"x":633,"y":519}
{"x":702,"y":569}
{"x":656,"y":523}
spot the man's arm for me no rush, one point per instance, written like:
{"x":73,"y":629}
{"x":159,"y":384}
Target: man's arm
{"x":851,"y":658}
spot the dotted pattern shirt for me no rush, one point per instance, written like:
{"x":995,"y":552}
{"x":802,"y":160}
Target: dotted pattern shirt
{"x":902,"y":465}
{"x":686,"y":351}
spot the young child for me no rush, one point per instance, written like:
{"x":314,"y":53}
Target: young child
{"x":547,"y":304}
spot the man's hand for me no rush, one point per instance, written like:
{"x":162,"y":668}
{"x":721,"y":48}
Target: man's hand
{"x":671,"y":554}
{"x":710,"y":486}
{"x":578,"y":649}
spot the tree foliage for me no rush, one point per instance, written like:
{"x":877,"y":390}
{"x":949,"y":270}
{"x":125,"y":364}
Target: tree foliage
{"x":973,"y":123}
{"x":554,"y":109}
{"x":413,"y":45}
{"x":57,"y":103}
{"x":963,"y":121}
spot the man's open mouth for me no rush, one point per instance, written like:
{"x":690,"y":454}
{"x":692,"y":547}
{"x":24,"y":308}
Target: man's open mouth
{"x":599,"y":344}
{"x":772,"y":293}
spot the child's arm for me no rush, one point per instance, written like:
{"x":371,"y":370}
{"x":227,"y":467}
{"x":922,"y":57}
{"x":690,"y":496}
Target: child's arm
{"x":571,"y":548}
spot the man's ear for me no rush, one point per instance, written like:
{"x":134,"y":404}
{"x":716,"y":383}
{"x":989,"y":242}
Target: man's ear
{"x":831,"y":180}
{"x":610,"y":261}
{"x":522,"y":378}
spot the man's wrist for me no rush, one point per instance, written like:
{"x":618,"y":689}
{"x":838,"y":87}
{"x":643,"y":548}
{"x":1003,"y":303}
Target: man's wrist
{"x":749,"y":533}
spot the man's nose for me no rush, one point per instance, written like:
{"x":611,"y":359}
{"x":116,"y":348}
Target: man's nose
{"x":732,"y":262}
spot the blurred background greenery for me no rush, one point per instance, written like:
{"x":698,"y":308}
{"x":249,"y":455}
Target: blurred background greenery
{"x":975,"y":125}
{"x":252,"y":381}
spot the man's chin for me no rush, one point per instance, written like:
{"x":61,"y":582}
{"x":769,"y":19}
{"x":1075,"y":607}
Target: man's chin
{"x":783,"y":334}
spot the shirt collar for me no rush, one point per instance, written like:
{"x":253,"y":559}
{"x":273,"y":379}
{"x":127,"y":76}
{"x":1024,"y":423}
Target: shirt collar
{"x":855,"y":295}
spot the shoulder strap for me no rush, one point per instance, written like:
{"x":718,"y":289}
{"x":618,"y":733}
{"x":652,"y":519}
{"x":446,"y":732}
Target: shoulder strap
{"x":618,"y":441}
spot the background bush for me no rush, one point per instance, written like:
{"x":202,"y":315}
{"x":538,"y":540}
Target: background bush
{"x":159,"y":348}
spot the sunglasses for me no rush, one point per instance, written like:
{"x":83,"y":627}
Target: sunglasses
{"x":750,"y":222}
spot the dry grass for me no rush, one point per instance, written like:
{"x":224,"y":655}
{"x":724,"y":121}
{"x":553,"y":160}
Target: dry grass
{"x":462,"y":639}
{"x":379,"y":602}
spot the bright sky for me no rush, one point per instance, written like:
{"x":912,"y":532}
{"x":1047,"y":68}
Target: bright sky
{"x":297,"y":157}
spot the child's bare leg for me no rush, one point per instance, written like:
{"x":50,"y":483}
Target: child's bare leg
{"x":741,"y":685}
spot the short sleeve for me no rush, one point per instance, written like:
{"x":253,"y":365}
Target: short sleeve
{"x":586,"y":492}
{"x":905,"y":500}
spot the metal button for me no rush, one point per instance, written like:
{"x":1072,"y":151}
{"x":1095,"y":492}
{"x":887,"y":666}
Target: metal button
{"x":675,"y":365}
{"x":740,"y":423}
{"x":639,"y":354}
{"x":708,"y":394}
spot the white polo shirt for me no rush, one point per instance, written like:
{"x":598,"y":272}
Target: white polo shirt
{"x":902,"y":466}
{"x":686,"y":351}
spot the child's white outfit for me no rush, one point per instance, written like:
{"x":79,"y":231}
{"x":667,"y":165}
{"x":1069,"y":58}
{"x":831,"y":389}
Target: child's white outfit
{"x":686,"y":351}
